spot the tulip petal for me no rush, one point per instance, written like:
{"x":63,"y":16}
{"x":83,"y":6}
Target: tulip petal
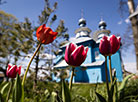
{"x":114,"y":44}
{"x":19,"y":70}
{"x":104,"y":46}
{"x":69,"y":49}
{"x":74,"y":55}
{"x":78,"y":56}
{"x":40,"y":30}
{"x":9,"y":66}
{"x":12,"y":72}
{"x":86,"y":50}
{"x":119,"y":41}
{"x":45,"y":34}
{"x":50,"y":36}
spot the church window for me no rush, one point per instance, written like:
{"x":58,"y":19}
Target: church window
{"x":97,"y":55}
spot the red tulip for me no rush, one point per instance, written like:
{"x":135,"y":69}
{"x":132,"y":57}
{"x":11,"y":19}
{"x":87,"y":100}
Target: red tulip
{"x":114,"y":44}
{"x":12,"y":71}
{"x":45,"y":34}
{"x":109,"y":46}
{"x":74,"y":55}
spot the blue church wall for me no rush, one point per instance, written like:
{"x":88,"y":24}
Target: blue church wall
{"x":116,"y":63}
{"x":94,"y":74}
{"x":81,"y":75}
{"x":103,"y":73}
{"x":91,"y":74}
{"x":58,"y":58}
{"x":97,"y":55}
{"x":89,"y":55}
{"x":115,"y":60}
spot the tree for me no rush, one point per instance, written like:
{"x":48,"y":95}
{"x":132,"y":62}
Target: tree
{"x":48,"y":17}
{"x":134,"y":23}
{"x":128,"y":7}
{"x":15,"y":39}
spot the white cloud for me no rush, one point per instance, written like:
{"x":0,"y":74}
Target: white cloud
{"x":44,"y":56}
{"x":131,"y":67}
{"x":120,"y":22}
{"x":127,"y":20}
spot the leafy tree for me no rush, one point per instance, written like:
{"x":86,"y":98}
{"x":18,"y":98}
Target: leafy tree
{"x":15,"y":39}
{"x":19,"y":38}
{"x":48,"y":17}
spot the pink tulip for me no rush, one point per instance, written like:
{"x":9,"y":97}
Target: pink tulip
{"x":74,"y":55}
{"x":109,"y":46}
{"x":12,"y":71}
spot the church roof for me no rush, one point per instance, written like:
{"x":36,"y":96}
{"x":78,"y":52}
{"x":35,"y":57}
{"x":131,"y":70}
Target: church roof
{"x":82,"y":29}
{"x":63,"y":64}
{"x":79,"y":40}
{"x":96,"y":33}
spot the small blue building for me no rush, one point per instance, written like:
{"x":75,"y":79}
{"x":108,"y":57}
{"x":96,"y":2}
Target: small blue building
{"x":93,"y":68}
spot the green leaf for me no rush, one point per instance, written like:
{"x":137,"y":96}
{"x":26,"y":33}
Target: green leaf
{"x":4,"y":90}
{"x":123,"y":84}
{"x":112,"y":91}
{"x":1,"y":98}
{"x":65,"y":92}
{"x":53,"y":97}
{"x":2,"y":84}
{"x":100,"y":97}
{"x":47,"y":93}
{"x":17,"y":91}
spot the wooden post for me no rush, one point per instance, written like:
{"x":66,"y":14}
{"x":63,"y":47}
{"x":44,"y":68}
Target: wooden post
{"x":134,"y":23}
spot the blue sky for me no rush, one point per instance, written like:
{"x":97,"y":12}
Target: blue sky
{"x":70,"y":12}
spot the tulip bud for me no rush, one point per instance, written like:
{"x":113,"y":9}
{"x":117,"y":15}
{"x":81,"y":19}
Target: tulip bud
{"x":109,"y":46}
{"x":114,"y":44}
{"x":45,"y":34}
{"x":74,"y":55}
{"x":12,"y":71}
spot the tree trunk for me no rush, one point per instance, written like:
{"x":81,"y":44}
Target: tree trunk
{"x":125,"y":72}
{"x":36,"y":69}
{"x":134,"y":23}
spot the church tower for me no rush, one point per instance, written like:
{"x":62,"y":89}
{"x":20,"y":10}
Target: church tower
{"x":97,"y":35}
{"x":82,"y":31}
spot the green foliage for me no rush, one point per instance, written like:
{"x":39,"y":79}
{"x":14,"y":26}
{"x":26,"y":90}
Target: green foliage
{"x":16,"y":39}
{"x":47,"y":12}
{"x":4,"y":90}
{"x":84,"y":92}
{"x":129,"y":92}
{"x":100,"y":97}
{"x":42,"y":92}
{"x":17,"y":91}
{"x":65,"y":92}
{"x":53,"y":97}
{"x":123,"y":84}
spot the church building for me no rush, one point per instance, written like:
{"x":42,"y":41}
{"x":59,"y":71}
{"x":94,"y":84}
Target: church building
{"x":92,"y":70}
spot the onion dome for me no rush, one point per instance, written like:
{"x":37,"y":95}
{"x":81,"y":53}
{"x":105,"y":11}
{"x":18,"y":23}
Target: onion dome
{"x":102,"y":24}
{"x":82,"y":22}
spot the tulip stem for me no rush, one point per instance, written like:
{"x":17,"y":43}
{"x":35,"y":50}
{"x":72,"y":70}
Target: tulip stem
{"x":8,"y":95}
{"x":110,"y":68}
{"x":106,"y":73}
{"x":72,"y":74}
{"x":30,"y":64}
